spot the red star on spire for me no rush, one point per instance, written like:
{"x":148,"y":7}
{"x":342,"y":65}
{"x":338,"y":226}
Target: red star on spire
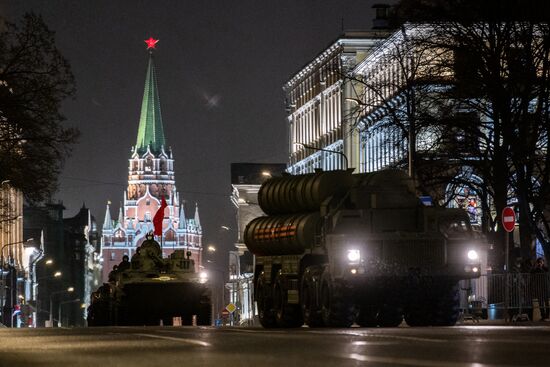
{"x":151,"y":43}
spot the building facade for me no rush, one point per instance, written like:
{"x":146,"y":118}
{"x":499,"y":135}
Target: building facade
{"x":46,"y":222}
{"x":14,"y":262}
{"x":82,"y":242}
{"x":317,"y":100}
{"x":150,"y":177}
{"x":70,"y":257}
{"x":246,"y":179}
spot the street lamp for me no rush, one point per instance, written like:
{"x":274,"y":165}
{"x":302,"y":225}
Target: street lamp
{"x":57,"y":274}
{"x":61,"y":307}
{"x":235,"y":279}
{"x":69,"y":290}
{"x":222,"y":277}
{"x":28,"y":243}
{"x":326,"y":150}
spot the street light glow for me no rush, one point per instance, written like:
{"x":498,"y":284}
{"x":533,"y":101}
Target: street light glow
{"x":70,"y":289}
{"x":49,"y":262}
{"x":211,"y":248}
{"x":57,"y":274}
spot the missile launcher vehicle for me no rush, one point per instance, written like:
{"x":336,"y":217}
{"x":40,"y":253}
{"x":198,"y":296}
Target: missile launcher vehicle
{"x":337,"y":248}
{"x":151,"y":290}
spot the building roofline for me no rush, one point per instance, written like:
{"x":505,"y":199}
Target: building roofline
{"x":350,"y":37}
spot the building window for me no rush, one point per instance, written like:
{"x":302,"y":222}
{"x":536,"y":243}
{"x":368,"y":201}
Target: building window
{"x":113,"y":257}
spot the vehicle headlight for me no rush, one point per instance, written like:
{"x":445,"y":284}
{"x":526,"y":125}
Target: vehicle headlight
{"x":354,"y":255}
{"x":472,"y":255}
{"x":203,"y":276}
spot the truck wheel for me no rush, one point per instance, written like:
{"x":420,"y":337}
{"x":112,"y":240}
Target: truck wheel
{"x":337,"y":309}
{"x":417,"y":317}
{"x":310,"y":312}
{"x":390,"y":316}
{"x":447,"y":306}
{"x":367,"y":316}
{"x":287,"y":315}
{"x":418,"y":294}
{"x":265,"y":304}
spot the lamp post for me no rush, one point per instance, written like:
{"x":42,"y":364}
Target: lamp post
{"x":61,"y":308}
{"x":55,"y":275}
{"x":235,"y":278}
{"x":69,"y":290}
{"x":222,"y":278}
{"x":327,"y":150}
{"x":211,"y":249}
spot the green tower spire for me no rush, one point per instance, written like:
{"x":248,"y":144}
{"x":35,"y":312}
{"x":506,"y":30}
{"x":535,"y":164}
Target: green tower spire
{"x":150,"y":130}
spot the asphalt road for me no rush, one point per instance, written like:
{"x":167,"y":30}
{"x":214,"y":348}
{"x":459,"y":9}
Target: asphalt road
{"x":461,"y":346}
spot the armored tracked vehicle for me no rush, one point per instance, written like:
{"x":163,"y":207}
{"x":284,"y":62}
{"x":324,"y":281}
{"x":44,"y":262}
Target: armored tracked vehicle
{"x":151,"y":290}
{"x":338,"y":248}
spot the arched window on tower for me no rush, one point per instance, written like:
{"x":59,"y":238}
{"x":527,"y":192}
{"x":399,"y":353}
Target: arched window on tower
{"x":148,"y":164}
{"x":119,"y":236}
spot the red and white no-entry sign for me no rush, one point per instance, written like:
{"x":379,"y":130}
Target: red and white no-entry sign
{"x":508,"y":219}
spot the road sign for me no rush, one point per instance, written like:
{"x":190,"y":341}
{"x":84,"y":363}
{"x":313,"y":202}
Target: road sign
{"x":225,"y":313}
{"x":426,"y":200}
{"x":231,"y":307}
{"x":508,"y":219}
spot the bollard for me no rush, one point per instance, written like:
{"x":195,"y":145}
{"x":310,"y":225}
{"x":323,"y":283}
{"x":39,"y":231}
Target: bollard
{"x":194,"y":320}
{"x":536,"y":310}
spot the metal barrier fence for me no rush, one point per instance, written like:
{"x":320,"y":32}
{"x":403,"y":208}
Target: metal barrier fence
{"x":517,"y":292}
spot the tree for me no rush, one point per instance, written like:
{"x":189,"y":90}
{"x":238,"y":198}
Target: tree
{"x":399,"y":90}
{"x":34,"y":80}
{"x":500,"y":54}
{"x":507,"y":85}
{"x":480,"y":94}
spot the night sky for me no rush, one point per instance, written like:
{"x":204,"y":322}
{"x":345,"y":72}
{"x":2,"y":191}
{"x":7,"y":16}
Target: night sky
{"x":220,"y":66}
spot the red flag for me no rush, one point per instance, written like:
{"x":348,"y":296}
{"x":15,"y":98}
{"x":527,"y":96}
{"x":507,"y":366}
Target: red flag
{"x":159,"y":216}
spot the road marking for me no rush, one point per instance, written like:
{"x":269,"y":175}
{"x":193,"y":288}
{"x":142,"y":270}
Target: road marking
{"x":382,"y":336}
{"x":259,"y":331}
{"x":183,"y":340}
{"x":414,"y":362}
{"x":362,"y":342}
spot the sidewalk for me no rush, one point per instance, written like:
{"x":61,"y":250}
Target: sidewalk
{"x":501,"y":322}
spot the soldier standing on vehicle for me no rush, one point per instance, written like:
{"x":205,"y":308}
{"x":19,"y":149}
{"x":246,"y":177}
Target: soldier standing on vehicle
{"x":539,"y":277}
{"x":124,"y":264}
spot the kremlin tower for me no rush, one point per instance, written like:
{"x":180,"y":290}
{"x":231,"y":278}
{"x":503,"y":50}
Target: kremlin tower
{"x":150,"y":176}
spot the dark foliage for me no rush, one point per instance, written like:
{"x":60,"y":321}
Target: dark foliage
{"x":34,"y":81}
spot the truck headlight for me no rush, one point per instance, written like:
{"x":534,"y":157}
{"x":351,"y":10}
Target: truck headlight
{"x":203,"y":277}
{"x":472,"y":255}
{"x":354,"y":256}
